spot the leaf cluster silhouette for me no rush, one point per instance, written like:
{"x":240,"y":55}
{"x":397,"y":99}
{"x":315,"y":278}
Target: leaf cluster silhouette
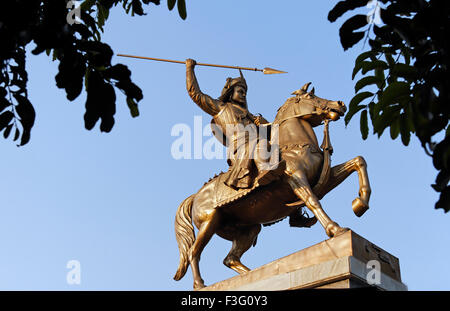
{"x":74,"y":41}
{"x":405,"y":75}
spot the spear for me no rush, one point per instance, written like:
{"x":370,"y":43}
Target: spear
{"x":265,"y":70}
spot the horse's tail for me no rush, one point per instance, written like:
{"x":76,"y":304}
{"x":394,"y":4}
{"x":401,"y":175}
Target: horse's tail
{"x":184,"y":232}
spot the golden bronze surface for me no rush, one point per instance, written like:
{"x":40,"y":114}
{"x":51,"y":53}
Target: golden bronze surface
{"x":236,"y":203}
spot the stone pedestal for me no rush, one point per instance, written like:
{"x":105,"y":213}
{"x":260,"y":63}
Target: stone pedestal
{"x":346,"y":261}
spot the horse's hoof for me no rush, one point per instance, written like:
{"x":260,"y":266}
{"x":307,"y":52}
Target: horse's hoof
{"x":359,"y":207}
{"x":340,"y":231}
{"x":198,"y":285}
{"x":333,"y":230}
{"x":235,"y":264}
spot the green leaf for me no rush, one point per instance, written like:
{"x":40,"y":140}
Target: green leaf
{"x":86,"y":78}
{"x":404,"y":71}
{"x":371,"y":111}
{"x":344,"y":6}
{"x":55,"y":55}
{"x":393,"y":93}
{"x":368,"y":66}
{"x":347,"y":32}
{"x":4,"y":104}
{"x":134,"y":111}
{"x":359,"y":61}
{"x":171,"y":4}
{"x":26,"y":112}
{"x":105,"y":12}
{"x":386,"y":118}
{"x":87,"y":4}
{"x":366,"y":81}
{"x":395,"y":128}
{"x":390,"y":60}
{"x":404,"y":130}
{"x":392,"y":78}
{"x":406,"y":55}
{"x":359,"y":98}
{"x":364,"y":56}
{"x":410,"y":116}
{"x":379,"y":73}
{"x":102,"y":15}
{"x":182,"y":8}
{"x":357,"y":68}
{"x":5,"y":118}
{"x":7,"y":130}
{"x":16,"y":134}
{"x":363,"y":124}
{"x":354,"y":106}
{"x":25,"y":137}
{"x":128,"y":8}
{"x":117,"y":72}
{"x":350,"y":114}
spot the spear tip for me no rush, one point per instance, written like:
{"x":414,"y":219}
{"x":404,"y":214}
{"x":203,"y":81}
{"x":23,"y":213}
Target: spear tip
{"x":269,"y":71}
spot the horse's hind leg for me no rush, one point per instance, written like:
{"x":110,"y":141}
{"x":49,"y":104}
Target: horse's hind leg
{"x":340,"y":172}
{"x":242,"y":239}
{"x":299,"y":183}
{"x":205,"y":232}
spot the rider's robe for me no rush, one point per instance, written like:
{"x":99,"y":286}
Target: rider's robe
{"x":237,"y":125}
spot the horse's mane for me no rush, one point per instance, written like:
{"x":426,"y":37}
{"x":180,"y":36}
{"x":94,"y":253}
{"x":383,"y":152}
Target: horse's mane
{"x":290,"y":100}
{"x":215,"y":175}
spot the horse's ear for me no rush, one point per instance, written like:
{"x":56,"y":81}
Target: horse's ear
{"x":298,"y":92}
{"x":306,"y":86}
{"x":240,"y":73}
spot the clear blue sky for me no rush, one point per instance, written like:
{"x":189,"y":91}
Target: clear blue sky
{"x":109,"y":200}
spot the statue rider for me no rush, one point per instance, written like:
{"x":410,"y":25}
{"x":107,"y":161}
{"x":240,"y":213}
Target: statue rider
{"x":230,"y":111}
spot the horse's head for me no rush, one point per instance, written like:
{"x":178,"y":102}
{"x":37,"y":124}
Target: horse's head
{"x":319,"y":107}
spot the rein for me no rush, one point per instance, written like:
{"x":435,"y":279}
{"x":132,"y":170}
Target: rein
{"x":326,"y":168}
{"x":320,"y":108}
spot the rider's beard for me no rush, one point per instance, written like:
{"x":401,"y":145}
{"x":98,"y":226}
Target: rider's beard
{"x":242,"y":104}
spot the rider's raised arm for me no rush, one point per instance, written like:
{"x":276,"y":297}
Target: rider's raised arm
{"x":207,"y":103}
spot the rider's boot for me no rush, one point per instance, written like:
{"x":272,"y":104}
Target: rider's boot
{"x":299,"y":220}
{"x":269,"y":174}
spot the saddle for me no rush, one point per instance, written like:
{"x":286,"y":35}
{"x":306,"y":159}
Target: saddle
{"x":224,"y":194}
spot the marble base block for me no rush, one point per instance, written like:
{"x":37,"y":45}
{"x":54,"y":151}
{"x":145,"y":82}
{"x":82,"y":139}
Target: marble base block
{"x":345,"y":261}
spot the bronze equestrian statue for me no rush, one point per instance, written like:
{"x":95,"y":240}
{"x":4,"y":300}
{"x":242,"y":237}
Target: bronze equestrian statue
{"x":234,"y":204}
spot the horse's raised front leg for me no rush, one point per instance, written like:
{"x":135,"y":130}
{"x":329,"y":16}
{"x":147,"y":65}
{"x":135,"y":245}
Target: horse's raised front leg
{"x":205,"y":232}
{"x":340,"y":172}
{"x":302,"y":189}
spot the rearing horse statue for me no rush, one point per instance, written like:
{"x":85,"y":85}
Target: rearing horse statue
{"x":237,"y":215}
